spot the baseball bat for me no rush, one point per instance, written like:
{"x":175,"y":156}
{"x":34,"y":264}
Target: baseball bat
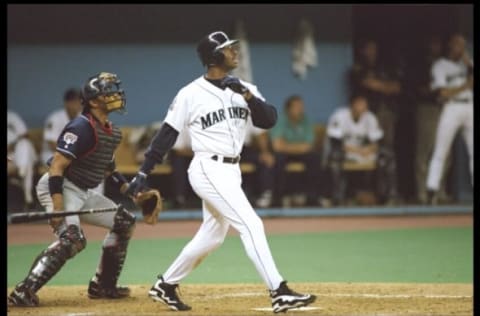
{"x":28,"y":217}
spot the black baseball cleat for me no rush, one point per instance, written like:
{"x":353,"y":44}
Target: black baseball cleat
{"x":167,"y":294}
{"x":284,"y":299}
{"x":23,"y":296}
{"x":95,"y":290}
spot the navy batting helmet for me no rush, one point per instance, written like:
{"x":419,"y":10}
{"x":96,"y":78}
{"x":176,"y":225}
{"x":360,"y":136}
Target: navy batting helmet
{"x":105,"y":84}
{"x":209,"y":48}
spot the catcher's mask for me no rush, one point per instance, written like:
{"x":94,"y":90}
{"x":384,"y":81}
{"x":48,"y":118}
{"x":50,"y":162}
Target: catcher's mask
{"x":107,"y":85}
{"x":209,"y":49}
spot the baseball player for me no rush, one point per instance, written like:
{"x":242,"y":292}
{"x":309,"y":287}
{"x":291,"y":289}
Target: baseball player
{"x":56,"y":121}
{"x":355,"y":135}
{"x":215,"y":109}
{"x":84,"y":154}
{"x":22,"y":153}
{"x":452,"y":80}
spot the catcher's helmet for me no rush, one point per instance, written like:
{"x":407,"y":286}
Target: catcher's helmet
{"x":105,"y":84}
{"x":209,"y":48}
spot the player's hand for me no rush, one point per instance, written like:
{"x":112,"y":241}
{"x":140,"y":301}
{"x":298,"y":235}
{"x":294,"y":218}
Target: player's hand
{"x":234,"y":84}
{"x":136,"y":185}
{"x":56,"y":222}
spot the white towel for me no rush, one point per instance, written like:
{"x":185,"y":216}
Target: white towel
{"x":304,"y":50}
{"x":244,"y":69}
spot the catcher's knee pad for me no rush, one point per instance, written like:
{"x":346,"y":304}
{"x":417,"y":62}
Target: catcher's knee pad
{"x":72,"y":241}
{"x":50,"y":261}
{"x":123,"y":223}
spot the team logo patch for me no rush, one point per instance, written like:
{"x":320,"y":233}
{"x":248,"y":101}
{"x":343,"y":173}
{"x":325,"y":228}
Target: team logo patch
{"x":69,"y":138}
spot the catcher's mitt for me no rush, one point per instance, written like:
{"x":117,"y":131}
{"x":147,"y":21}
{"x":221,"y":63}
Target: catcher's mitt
{"x":150,"y":202}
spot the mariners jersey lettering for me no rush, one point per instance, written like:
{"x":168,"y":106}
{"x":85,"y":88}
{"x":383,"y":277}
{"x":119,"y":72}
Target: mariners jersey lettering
{"x":447,"y":73}
{"x":216,"y":119}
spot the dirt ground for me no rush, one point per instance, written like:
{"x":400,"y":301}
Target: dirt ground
{"x":360,"y":299}
{"x":247,"y":299}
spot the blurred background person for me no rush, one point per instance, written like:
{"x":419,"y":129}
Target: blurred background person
{"x":380,"y":84}
{"x":355,"y":135}
{"x":293,"y":140}
{"x":56,"y":121}
{"x":452,"y":80}
{"x":428,"y":109}
{"x":257,"y":150}
{"x":369,"y":78}
{"x":179,"y":158}
{"x":23,"y":157}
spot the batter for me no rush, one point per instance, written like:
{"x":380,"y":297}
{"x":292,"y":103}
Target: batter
{"x":215,"y":109}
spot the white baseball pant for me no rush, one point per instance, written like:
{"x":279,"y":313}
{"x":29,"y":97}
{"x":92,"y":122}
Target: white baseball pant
{"x":218,"y":184}
{"x":455,"y":116}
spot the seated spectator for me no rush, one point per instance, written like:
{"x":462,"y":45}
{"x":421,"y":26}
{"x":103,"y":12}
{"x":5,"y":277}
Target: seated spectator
{"x":56,"y":121}
{"x":257,"y":150}
{"x":22,"y":156}
{"x":179,"y":158}
{"x":355,"y":135}
{"x":293,"y":141}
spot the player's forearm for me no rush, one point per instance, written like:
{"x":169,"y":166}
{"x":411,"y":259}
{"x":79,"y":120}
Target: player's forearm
{"x":55,"y":180}
{"x":263,"y":142}
{"x":292,"y":148}
{"x":373,"y":147}
{"x":57,"y":201}
{"x":447,"y":93}
{"x":264,"y":115}
{"x":351,"y":148}
{"x":161,"y":143}
{"x":382,"y":86}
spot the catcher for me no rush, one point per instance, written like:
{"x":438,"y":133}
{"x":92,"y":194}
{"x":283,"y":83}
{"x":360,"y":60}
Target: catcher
{"x":83,"y":157}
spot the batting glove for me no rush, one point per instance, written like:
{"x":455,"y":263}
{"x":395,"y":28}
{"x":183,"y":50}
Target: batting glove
{"x":137,"y":184}
{"x":234,"y":84}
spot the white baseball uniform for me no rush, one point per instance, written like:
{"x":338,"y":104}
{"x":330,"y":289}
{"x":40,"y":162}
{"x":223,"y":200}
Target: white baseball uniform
{"x":52,"y":128}
{"x":251,"y":132}
{"x":342,"y":126}
{"x":457,"y":113}
{"x":183,"y":141}
{"x":23,"y":153}
{"x":216,"y":121}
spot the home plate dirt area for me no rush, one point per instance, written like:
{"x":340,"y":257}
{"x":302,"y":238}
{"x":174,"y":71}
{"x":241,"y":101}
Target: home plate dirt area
{"x":252,"y":299}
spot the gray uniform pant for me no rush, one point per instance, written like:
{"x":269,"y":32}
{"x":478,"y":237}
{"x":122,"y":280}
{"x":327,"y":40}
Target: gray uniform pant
{"x":74,"y":199}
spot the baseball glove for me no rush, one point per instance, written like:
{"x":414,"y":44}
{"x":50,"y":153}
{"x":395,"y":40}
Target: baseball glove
{"x":150,"y":201}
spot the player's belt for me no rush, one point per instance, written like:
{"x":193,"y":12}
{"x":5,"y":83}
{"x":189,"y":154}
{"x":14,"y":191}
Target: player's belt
{"x":232,"y":160}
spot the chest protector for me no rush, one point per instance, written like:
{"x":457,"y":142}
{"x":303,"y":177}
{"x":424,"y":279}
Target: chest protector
{"x":88,"y":171}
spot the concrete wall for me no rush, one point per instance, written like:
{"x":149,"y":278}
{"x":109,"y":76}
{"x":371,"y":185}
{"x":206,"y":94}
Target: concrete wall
{"x":37,"y":75}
